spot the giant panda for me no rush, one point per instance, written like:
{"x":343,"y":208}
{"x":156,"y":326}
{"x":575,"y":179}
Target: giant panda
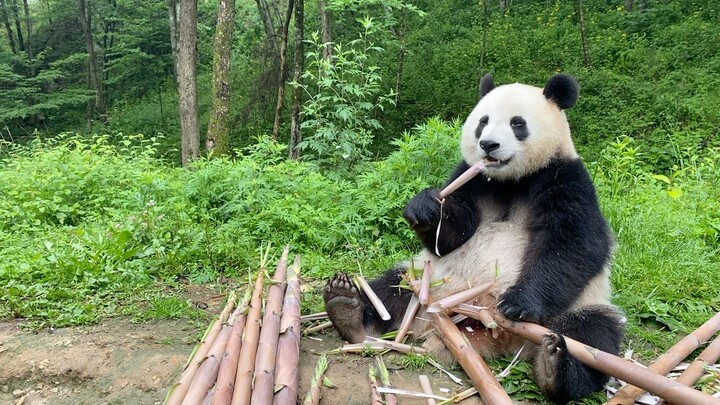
{"x":530,"y":222}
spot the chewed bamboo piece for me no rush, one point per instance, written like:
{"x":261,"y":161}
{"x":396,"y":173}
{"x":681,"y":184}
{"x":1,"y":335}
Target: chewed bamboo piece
{"x":408,"y":318}
{"x":314,"y":393}
{"x":409,"y":393}
{"x":178,"y":392}
{"x":379,"y":344}
{"x":478,"y":313}
{"x":390,"y":398}
{"x":473,"y":171}
{"x":670,"y":359}
{"x":288,"y":350}
{"x":427,"y":388}
{"x":317,"y":328}
{"x":377,"y":303}
{"x":461,"y":396}
{"x":264,"y":374}
{"x":617,"y":367}
{"x":459,"y":298}
{"x":425,"y":283}
{"x":375,"y":397}
{"x":248,"y":351}
{"x":314,"y":317}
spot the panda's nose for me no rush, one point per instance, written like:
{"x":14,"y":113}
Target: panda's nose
{"x":489,"y":146}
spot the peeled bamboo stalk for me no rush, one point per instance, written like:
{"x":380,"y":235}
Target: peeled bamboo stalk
{"x":669,"y":360}
{"x":314,"y":317}
{"x":262,"y":392}
{"x":455,"y":299}
{"x":409,"y":393}
{"x":317,"y":328}
{"x":225,"y":384}
{"x":315,"y":393}
{"x":377,"y":303}
{"x":375,"y":397}
{"x":178,"y":391}
{"x":473,"y":171}
{"x":207,"y":373}
{"x":609,"y":364}
{"x":380,"y":344}
{"x":390,"y":398}
{"x":461,"y":396}
{"x":478,"y":313}
{"x":408,"y":318}
{"x":427,"y":388}
{"x":425,"y":284}
{"x":288,"y":350}
{"x":246,"y":364}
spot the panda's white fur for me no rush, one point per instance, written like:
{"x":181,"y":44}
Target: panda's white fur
{"x":529,"y":223}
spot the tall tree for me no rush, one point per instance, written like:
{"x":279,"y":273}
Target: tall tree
{"x":483,"y":49}
{"x":28,"y":29}
{"x":18,"y":30}
{"x":283,"y":69}
{"x":628,"y":5}
{"x":325,"y":30}
{"x":266,"y":18}
{"x":187,"y":80}
{"x":295,"y":131}
{"x":583,"y":35}
{"x":173,"y":7}
{"x":6,"y":20}
{"x":218,"y":131}
{"x":96,"y":82}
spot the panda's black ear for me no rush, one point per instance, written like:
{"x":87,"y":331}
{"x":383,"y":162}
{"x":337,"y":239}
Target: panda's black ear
{"x":562,"y":90}
{"x":486,"y":84}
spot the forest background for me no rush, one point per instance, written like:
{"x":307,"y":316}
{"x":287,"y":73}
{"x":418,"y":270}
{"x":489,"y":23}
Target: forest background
{"x":313,"y":123}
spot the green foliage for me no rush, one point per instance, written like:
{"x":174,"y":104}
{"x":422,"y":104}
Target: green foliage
{"x":343,"y":94}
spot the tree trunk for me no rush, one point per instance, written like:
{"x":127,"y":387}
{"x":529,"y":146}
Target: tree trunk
{"x":583,"y":35}
{"x":28,"y":28}
{"x":218,"y":132}
{"x":628,"y":5}
{"x":6,"y":20}
{"x":502,"y":6}
{"x":295,"y":131}
{"x":94,"y":77}
{"x":108,"y":37}
{"x":283,"y":70}
{"x":187,"y":80}
{"x":266,"y":19}
{"x":325,"y":30}
{"x":173,"y":14}
{"x":18,"y":29}
{"x":483,"y":50}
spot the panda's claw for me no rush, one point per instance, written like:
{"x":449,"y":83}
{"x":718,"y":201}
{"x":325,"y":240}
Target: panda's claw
{"x":345,"y":308}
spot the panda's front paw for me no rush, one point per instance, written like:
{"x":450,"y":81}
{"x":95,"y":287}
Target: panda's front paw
{"x":422,"y":212}
{"x":520,"y":305}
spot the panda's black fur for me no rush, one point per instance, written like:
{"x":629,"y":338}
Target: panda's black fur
{"x":558,"y":274}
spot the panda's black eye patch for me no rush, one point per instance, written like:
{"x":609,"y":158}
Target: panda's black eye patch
{"x":517,"y":121}
{"x":481,"y":125}
{"x":519,"y":128}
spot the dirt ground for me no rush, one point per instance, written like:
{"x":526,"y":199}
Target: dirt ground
{"x":120,"y":362}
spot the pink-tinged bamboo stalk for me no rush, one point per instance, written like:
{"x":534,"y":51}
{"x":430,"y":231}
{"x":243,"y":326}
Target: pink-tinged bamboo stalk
{"x":669,"y":360}
{"x":288,"y":351}
{"x":696,"y":369}
{"x":478,"y":313}
{"x":177,"y":393}
{"x":228,"y":367}
{"x":454,"y":300}
{"x":206,"y":374}
{"x":375,"y":397}
{"x":473,"y":171}
{"x":246,"y":365}
{"x":427,"y":388}
{"x":262,"y":392}
{"x":609,"y":364}
{"x":377,"y":303}
{"x":425,"y":283}
{"x":408,"y":318}
{"x":390,"y":398}
{"x":316,"y":382}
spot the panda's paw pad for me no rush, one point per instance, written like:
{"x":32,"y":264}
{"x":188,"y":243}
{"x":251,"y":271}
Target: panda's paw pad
{"x":553,"y":343}
{"x":345,"y":307}
{"x":340,"y":286}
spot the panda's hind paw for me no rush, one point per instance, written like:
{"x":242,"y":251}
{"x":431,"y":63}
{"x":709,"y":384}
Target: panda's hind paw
{"x":345,"y":307}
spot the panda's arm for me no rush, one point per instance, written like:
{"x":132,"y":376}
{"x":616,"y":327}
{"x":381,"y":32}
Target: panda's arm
{"x":460,"y":215}
{"x":569,"y":244}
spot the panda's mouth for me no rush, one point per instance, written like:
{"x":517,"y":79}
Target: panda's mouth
{"x":494,"y":162}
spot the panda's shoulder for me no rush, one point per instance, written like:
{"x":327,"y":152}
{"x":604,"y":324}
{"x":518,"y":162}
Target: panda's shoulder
{"x":563,"y":178}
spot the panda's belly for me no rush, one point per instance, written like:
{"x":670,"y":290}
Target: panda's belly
{"x":493,"y":254}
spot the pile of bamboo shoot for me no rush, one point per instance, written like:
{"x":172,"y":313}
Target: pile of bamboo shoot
{"x":235,"y":362}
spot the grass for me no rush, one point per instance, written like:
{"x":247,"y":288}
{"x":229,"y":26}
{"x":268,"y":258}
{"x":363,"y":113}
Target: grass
{"x":90,"y":230}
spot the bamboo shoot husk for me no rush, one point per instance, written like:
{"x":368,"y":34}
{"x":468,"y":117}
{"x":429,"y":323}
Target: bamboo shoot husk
{"x":246,"y":364}
{"x":471,"y":172}
{"x":612,"y":365}
{"x":287,"y":371}
{"x":207,"y":373}
{"x":262,"y":392}
{"x":427,"y":388}
{"x":455,"y":299}
{"x":225,"y":384}
{"x":408,"y":318}
{"x":375,"y":397}
{"x":377,"y":303}
{"x":478,"y":313}
{"x":314,"y":392}
{"x":178,"y":391}
{"x":669,"y":360}
{"x":390,"y":398}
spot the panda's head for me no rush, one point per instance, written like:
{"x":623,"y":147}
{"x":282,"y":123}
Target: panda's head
{"x":518,"y":129}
